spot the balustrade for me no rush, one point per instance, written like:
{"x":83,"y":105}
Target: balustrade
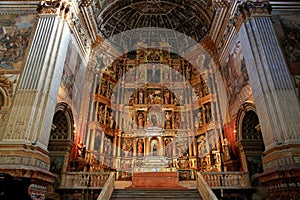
{"x":83,"y":180}
{"x":227,"y":180}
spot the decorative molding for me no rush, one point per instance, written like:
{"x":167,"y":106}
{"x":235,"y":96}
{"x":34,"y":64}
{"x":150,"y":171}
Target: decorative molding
{"x":251,"y":8}
{"x":61,"y":8}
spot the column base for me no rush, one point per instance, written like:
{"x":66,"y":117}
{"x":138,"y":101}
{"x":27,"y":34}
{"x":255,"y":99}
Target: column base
{"x":281,"y":174}
{"x":26,"y":164}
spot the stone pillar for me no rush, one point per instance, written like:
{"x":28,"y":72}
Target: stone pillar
{"x":23,"y":150}
{"x":274,"y":93}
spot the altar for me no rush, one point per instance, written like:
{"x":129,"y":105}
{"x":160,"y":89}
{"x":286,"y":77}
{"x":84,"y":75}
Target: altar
{"x":161,"y":180}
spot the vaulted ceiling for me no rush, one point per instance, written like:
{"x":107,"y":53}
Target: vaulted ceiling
{"x":190,"y":17}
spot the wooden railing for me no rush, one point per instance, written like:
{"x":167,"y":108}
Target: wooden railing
{"x":227,"y":180}
{"x":83,"y":180}
{"x":204,"y":190}
{"x":108,"y":188}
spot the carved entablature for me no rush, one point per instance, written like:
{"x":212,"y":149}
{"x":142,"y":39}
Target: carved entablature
{"x":51,"y":7}
{"x":250,"y":8}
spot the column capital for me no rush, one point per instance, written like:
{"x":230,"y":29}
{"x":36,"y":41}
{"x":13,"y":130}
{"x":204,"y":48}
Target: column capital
{"x":251,"y":8}
{"x":52,"y":7}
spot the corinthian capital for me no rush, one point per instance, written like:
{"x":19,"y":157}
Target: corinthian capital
{"x":258,"y":7}
{"x":54,"y":7}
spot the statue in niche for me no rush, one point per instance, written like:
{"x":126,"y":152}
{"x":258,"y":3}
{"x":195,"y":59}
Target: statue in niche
{"x":154,"y":149}
{"x":168,"y":122}
{"x":101,"y":113}
{"x":111,"y":120}
{"x":141,"y":96}
{"x":208,"y":112}
{"x":107,"y":146}
{"x":167,"y":95}
{"x":176,"y":121}
{"x":227,"y":149}
{"x":103,"y":91}
{"x":140,"y":147}
{"x":200,"y":118}
{"x":168,"y":147}
{"x":141,"y":120}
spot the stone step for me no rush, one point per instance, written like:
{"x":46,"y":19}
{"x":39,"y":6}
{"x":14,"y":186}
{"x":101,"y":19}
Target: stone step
{"x":155,"y":194}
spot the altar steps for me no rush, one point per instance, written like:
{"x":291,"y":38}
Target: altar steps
{"x":155,"y":195}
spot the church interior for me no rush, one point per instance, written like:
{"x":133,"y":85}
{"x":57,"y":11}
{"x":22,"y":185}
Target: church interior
{"x":166,"y":99}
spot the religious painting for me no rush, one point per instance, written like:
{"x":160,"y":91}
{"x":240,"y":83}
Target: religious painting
{"x":127,"y":147}
{"x":234,"y":72}
{"x":155,"y":117}
{"x":15,"y":33}
{"x":291,"y":41}
{"x":154,"y":96}
{"x":73,"y":75}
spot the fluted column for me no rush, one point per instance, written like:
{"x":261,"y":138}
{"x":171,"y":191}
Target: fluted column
{"x":274,"y":93}
{"x":31,"y":115}
{"x":272,"y":86}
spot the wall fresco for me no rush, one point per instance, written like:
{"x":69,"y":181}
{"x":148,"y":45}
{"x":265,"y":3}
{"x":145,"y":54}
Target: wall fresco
{"x":234,"y":72}
{"x":291,"y":41}
{"x":15,"y":32}
{"x":73,"y":76}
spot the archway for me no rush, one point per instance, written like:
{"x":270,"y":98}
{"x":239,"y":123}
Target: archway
{"x":249,"y":141}
{"x":61,"y":140}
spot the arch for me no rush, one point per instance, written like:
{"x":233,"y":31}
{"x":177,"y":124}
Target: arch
{"x":244,"y":108}
{"x":249,"y":140}
{"x":61,"y":141}
{"x":63,"y":117}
